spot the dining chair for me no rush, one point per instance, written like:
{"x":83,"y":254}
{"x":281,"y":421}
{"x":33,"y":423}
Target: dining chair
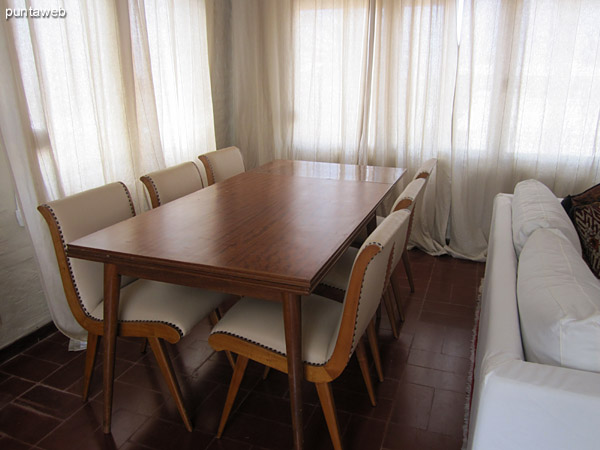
{"x":426,"y":168}
{"x":424,"y":172}
{"x":222,"y":164}
{"x":147,"y":309}
{"x":331,"y":331}
{"x":171,"y":183}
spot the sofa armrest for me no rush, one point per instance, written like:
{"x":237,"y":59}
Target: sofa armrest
{"x":534,"y":406}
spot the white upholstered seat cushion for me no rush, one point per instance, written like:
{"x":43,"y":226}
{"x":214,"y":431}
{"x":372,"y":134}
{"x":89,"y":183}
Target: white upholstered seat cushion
{"x":261,"y":322}
{"x":535,"y":206}
{"x":559,"y":303}
{"x":152,"y":301}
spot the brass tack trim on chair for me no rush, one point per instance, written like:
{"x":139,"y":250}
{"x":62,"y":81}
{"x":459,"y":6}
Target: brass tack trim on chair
{"x":154,"y":187}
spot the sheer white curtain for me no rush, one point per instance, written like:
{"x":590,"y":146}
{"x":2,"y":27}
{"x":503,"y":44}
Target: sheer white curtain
{"x":527,"y":106}
{"x":109,"y":92}
{"x":386,"y":82}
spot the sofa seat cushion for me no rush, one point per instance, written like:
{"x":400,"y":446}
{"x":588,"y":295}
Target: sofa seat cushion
{"x":559,"y":303}
{"x":535,"y":206}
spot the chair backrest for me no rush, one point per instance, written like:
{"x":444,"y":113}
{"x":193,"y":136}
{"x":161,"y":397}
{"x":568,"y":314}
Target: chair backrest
{"x":171,"y":183}
{"x":76,"y":216}
{"x":222,"y":164}
{"x":408,"y":199}
{"x":426,"y":169}
{"x":369,"y":276}
{"x":410,"y":196}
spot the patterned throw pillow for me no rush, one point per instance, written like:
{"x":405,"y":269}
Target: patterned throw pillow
{"x":570,"y":202}
{"x":587,"y":224}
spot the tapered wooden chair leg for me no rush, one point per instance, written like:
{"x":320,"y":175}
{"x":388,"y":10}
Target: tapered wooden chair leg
{"x":213,"y":318}
{"x":328,"y":406}
{"x":144,"y":346}
{"x":234,"y":386}
{"x":389,"y":307}
{"x":372,"y":336}
{"x":164,"y":363}
{"x":90,"y":360}
{"x":266,"y":372}
{"x":361,"y":354}
{"x":406,"y":263}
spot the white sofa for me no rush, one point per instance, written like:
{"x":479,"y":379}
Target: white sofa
{"x":518,"y":404}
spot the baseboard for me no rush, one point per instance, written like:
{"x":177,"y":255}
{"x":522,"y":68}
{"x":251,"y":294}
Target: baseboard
{"x":26,"y":341}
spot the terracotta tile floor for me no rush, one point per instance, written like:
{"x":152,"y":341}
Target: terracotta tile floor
{"x":420,"y":403}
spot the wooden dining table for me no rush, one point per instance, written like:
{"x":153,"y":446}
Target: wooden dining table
{"x":272,"y":232}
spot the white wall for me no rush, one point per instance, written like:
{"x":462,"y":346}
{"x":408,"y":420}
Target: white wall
{"x":22,"y":302}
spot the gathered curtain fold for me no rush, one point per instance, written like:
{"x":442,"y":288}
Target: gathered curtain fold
{"x":497,"y":91}
{"x":108,"y":92}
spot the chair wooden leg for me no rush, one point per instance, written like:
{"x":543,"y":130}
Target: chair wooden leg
{"x":158,"y":347}
{"x":372,"y":336}
{"x":389,"y":307}
{"x":398,"y":297}
{"x":90,"y":359}
{"x":406,"y":263}
{"x":328,"y":406}
{"x":213,"y":318}
{"x":234,"y":386}
{"x":361,"y":354}
{"x":266,"y":372}
{"x":144,"y":346}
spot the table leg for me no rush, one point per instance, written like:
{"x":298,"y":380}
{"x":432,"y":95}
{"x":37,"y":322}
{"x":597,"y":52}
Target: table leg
{"x":292,"y":319}
{"x":112,"y":287}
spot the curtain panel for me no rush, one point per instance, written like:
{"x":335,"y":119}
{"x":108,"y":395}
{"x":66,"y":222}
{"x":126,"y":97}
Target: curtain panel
{"x":498,"y":91}
{"x":107,"y":91}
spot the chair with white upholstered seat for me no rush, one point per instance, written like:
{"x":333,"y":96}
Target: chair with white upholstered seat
{"x":337,"y":277}
{"x":222,"y":164}
{"x":147,"y":309}
{"x":171,"y":183}
{"x":331,"y":331}
{"x":424,"y":172}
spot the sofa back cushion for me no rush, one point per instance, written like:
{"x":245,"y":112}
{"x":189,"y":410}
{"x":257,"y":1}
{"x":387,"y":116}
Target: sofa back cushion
{"x":535,"y":206}
{"x":559,"y":303}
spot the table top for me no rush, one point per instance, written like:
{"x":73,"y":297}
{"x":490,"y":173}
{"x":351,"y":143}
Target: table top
{"x":279,"y":227}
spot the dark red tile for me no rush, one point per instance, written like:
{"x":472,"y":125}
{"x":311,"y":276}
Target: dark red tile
{"x":228,"y":444}
{"x":435,"y":378}
{"x":364,"y":434}
{"x":447,"y":413}
{"x":400,"y":437}
{"x":457,"y":342}
{"x":429,"y":336}
{"x":55,"y":352}
{"x":136,"y":399}
{"x":258,"y":431}
{"x":449,"y":309}
{"x":12,"y":387}
{"x":24,"y":424}
{"x":84,"y":429}
{"x":33,"y":369}
{"x":412,"y":406}
{"x":50,"y":401}
{"x":435,"y":441}
{"x":74,"y":370}
{"x":8,"y":443}
{"x":439,"y":361}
